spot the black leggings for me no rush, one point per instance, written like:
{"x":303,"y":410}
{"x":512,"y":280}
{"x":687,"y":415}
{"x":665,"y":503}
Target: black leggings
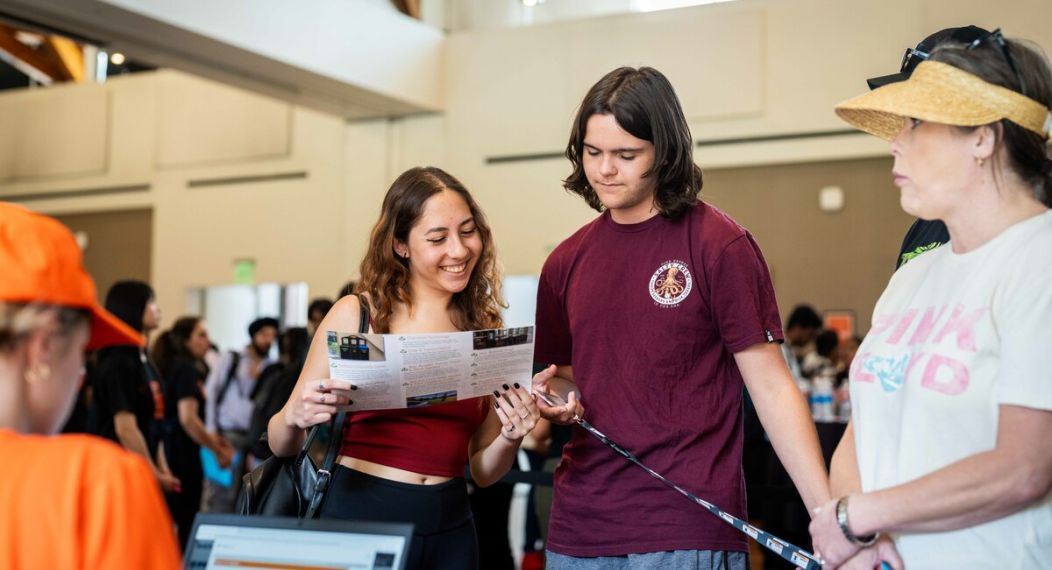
{"x":443,"y":528}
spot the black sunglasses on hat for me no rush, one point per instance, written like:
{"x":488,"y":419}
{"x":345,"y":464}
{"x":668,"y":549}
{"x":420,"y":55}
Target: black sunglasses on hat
{"x":966,"y":35}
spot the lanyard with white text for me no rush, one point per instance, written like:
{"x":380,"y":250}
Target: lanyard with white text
{"x":794,"y":554}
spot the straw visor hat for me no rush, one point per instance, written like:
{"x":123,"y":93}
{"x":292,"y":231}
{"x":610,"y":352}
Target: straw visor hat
{"x":941,"y":93}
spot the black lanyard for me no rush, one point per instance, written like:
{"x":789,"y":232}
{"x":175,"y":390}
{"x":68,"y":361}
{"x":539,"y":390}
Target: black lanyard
{"x":794,"y":554}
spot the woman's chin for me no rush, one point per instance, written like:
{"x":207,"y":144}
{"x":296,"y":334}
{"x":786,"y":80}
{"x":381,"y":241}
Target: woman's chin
{"x":910,"y":206}
{"x":455,"y":284}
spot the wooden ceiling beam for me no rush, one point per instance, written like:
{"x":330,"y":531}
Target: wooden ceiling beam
{"x":410,"y":8}
{"x":70,"y":56}
{"x":31,"y":57}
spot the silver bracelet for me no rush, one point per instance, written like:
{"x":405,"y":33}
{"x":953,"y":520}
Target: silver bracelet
{"x":841,"y":520}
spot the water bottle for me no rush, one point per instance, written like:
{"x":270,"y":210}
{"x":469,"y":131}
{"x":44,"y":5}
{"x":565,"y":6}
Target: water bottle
{"x":843,"y":403}
{"x":822,"y":397}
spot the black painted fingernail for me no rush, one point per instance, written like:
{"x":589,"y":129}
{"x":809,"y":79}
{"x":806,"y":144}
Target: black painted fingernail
{"x":353,"y":387}
{"x":505,"y":386}
{"x":349,"y":402}
{"x":496,"y":405}
{"x":516,"y":385}
{"x":496,"y":394}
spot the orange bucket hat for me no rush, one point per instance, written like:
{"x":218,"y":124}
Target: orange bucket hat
{"x":41,"y":263}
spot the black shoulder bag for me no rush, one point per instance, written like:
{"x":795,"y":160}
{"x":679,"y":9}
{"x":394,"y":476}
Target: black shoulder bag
{"x":294,"y":486}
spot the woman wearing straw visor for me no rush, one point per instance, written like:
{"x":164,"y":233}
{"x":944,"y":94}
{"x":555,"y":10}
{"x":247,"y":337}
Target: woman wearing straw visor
{"x":70,"y":501}
{"x":949,"y":450}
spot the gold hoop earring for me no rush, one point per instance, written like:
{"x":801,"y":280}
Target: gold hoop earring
{"x":34,"y":375}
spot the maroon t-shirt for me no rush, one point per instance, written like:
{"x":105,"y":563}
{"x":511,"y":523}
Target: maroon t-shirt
{"x":650,"y":315}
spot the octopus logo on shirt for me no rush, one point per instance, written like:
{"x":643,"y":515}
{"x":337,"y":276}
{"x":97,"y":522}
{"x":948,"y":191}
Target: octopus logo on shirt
{"x":671,"y":283}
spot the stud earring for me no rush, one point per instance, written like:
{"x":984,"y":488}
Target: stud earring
{"x":980,"y":161}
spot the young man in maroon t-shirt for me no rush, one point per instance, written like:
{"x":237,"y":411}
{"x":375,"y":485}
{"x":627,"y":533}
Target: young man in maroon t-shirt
{"x":653,"y":315}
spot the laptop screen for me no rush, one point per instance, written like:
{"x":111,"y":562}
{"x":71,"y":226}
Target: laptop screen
{"x":232,"y":541}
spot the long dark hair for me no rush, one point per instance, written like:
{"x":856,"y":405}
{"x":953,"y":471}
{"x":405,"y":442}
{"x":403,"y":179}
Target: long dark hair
{"x":385,"y":276}
{"x":1025,"y":150}
{"x":171,"y":344}
{"x":645,"y":105}
{"x":127,"y":300}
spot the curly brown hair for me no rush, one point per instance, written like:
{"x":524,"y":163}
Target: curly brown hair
{"x":385,"y":275}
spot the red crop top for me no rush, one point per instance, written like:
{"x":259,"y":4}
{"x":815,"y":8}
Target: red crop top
{"x":432,"y":440}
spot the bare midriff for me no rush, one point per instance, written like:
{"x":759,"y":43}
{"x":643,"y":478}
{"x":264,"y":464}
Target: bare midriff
{"x":391,"y":473}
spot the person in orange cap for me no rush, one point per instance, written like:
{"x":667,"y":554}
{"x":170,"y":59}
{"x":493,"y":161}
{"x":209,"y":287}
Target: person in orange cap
{"x":70,"y":501}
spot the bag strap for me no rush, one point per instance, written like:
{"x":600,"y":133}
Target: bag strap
{"x":235,"y":360}
{"x":335,"y":437}
{"x":363,"y":315}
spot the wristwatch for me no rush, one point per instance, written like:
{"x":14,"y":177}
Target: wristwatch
{"x":841,"y":520}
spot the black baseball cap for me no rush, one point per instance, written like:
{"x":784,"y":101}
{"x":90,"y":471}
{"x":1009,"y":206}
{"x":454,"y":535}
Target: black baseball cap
{"x":913,"y":56}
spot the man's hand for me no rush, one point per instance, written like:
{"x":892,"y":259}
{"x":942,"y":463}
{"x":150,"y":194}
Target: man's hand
{"x":553,"y":407}
{"x":224,"y":452}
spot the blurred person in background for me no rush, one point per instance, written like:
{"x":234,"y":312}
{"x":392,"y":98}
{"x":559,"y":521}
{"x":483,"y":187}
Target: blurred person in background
{"x":316,"y":312}
{"x":229,"y":404}
{"x":822,"y":360}
{"x":800,"y":330}
{"x":179,"y":354}
{"x":347,"y":289}
{"x":128,"y":396}
{"x":275,"y":385}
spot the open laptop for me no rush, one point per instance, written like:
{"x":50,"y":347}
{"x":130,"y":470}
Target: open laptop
{"x":235,"y":541}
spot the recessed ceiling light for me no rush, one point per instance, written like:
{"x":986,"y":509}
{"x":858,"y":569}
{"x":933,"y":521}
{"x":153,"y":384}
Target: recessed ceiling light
{"x":117,"y":58}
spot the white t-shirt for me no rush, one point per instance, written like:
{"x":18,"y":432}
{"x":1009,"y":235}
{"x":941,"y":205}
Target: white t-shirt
{"x":953,"y":337}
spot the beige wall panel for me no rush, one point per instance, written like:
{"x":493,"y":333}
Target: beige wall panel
{"x":820,"y":53}
{"x":839,"y":260}
{"x":119,"y":245}
{"x":294,"y":229}
{"x":417,"y":141}
{"x":58,"y":133}
{"x":517,"y":89}
{"x":1017,"y":18}
{"x":203,"y":122}
{"x":125,"y":105}
{"x":368,"y":172}
{"x":528,"y":209}
{"x":715,"y":63}
{"x":506,"y":90}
